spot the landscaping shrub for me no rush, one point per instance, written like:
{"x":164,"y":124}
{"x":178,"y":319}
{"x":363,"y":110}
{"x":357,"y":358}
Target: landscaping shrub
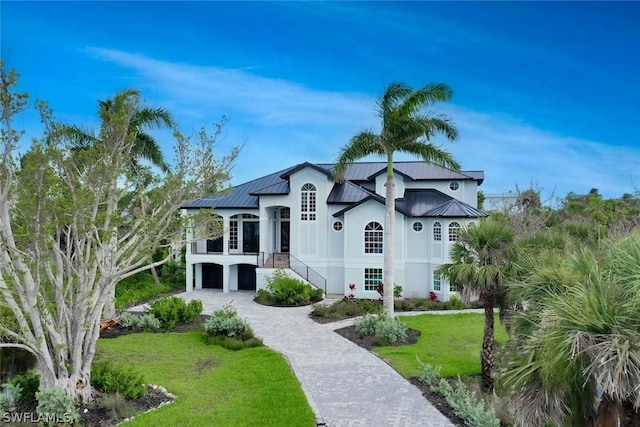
{"x":345,"y":308}
{"x":466,"y":405}
{"x":174,"y":274}
{"x":146,"y":322}
{"x":171,"y":311}
{"x":288,"y":291}
{"x":231,"y":343}
{"x":56,"y":407}
{"x":388,"y":330}
{"x":108,"y":378}
{"x":29,"y":384}
{"x":430,"y":375}
{"x":264,"y":297}
{"x":397,"y":291}
{"x":226,"y":322}
{"x":9,"y":397}
{"x":455,"y":303}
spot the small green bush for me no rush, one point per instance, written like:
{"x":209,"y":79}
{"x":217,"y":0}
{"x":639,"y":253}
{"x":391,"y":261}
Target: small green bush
{"x":455,"y":303}
{"x":466,"y":405}
{"x":108,"y":378}
{"x":29,"y":384}
{"x":171,"y":311}
{"x":289,"y":291}
{"x":345,"y":308}
{"x":174,"y":274}
{"x":232,"y":343}
{"x":56,"y":407}
{"x":226,"y":322}
{"x":9,"y":397}
{"x":387,"y":330}
{"x":264,"y":297}
{"x":397,"y":291}
{"x":430,"y":375}
{"x":146,"y":322}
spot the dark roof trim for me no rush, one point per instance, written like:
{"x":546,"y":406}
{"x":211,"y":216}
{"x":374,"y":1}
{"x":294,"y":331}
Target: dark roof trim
{"x":301,"y":166}
{"x":395,"y":172}
{"x":373,"y":197}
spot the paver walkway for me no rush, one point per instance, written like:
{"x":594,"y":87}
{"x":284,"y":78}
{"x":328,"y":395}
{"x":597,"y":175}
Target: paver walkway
{"x":346,"y":385}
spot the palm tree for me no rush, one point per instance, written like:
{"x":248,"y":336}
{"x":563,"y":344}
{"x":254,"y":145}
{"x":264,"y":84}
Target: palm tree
{"x":576,"y":349}
{"x":406,"y":127}
{"x":142,"y":119}
{"x":480,"y":260}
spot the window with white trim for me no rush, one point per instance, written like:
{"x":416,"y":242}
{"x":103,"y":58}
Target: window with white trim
{"x":453,"y":287}
{"x":437,"y":282}
{"x":454,"y":231}
{"x":372,"y":278}
{"x":417,"y":226}
{"x":437,"y":232}
{"x":337,"y":226}
{"x":308,"y":202}
{"x":373,"y":238}
{"x":454,"y":185}
{"x":233,"y":232}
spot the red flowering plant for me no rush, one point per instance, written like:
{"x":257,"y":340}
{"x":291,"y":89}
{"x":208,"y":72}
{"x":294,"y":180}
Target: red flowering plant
{"x":352,"y":286}
{"x":433,"y":296}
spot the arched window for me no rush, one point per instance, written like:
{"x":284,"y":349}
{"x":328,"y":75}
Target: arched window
{"x":308,"y":202}
{"x":437,"y":232}
{"x":454,"y":231}
{"x":373,"y":238}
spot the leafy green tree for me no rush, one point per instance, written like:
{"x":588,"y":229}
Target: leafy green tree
{"x":480,"y":260}
{"x":574,"y":354}
{"x":72,"y":226}
{"x":406,"y":127}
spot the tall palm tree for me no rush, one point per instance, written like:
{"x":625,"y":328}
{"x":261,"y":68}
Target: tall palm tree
{"x":143,"y":119}
{"x":480,"y":260}
{"x":407,"y":127}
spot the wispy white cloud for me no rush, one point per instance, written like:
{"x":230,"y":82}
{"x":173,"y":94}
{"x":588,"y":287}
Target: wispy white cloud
{"x":284,"y":123}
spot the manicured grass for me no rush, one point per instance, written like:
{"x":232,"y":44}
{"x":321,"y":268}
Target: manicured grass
{"x":215,"y":386}
{"x":452,"y":341}
{"x":137,"y":289}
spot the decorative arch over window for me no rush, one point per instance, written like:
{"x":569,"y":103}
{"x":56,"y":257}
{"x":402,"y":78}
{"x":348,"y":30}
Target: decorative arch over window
{"x":454,"y":231}
{"x":373,"y":238}
{"x":308,"y":202}
{"x":437,"y":232}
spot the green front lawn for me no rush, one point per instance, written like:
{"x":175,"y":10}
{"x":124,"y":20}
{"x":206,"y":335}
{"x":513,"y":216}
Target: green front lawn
{"x":452,"y":341}
{"x":214,"y":386}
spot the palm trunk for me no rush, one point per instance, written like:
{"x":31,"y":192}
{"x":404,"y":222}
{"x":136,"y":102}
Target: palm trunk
{"x":388,"y":244}
{"x":488,"y":342}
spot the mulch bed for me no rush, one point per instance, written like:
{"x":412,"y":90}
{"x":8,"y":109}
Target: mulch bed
{"x":369,"y":342}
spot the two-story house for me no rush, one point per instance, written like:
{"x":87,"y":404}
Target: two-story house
{"x":331,"y":234}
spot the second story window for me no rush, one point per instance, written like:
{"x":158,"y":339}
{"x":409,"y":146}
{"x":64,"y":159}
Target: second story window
{"x":308,"y":202}
{"x":454,"y":231}
{"x":437,"y":231}
{"x":373,"y":238}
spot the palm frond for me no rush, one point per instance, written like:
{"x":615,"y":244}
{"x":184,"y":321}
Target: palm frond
{"x":389,"y":100}
{"x":148,"y":148}
{"x":361,"y":145}
{"x":424,"y":98}
{"x":431,"y":154}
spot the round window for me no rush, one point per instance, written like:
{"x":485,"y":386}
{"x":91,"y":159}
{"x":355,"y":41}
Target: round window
{"x":417,"y":226}
{"x":454,"y":185}
{"x":337,"y":226}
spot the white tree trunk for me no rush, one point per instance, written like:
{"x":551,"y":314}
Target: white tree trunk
{"x":389,"y":243}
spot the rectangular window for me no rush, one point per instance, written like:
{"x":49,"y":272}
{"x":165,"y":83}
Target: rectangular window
{"x":437,"y":282}
{"x":233,"y":234}
{"x":453,"y":287}
{"x":312,"y":206}
{"x":372,"y":277}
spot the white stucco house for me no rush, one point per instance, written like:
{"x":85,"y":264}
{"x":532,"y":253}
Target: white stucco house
{"x":331,"y":234}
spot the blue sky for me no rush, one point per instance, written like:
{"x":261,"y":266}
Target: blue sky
{"x":545,"y":93}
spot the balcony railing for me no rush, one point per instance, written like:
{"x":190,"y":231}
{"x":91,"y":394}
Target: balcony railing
{"x":286,"y":260}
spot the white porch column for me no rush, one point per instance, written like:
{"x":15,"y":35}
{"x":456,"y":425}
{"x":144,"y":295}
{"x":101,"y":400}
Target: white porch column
{"x":189,"y":284}
{"x":199,"y":276}
{"x":225,"y":278}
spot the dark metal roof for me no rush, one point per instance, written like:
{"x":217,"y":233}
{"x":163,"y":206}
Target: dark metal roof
{"x":246,"y":195}
{"x":347,"y":192}
{"x":240,"y":196}
{"x":419,"y":202}
{"x":456,"y":208}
